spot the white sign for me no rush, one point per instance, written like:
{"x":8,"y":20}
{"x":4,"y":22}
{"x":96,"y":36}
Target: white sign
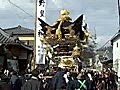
{"x":41,"y":4}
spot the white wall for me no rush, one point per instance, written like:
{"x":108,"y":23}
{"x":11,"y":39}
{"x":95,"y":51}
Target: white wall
{"x":116,"y":56}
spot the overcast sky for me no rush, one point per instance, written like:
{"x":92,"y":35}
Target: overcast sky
{"x":101,"y":15}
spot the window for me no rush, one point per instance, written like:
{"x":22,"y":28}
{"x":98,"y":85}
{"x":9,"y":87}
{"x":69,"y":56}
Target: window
{"x":117,"y":44}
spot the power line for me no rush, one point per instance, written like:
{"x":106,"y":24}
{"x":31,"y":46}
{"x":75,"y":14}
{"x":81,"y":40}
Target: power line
{"x":119,"y":25}
{"x":109,"y":40}
{"x":21,"y":9}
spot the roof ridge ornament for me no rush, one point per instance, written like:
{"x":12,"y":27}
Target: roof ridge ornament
{"x":19,"y":27}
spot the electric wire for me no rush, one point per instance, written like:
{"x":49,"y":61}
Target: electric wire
{"x":20,"y":9}
{"x":108,"y":40}
{"x":33,"y":17}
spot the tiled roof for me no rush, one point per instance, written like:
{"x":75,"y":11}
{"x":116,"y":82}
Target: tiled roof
{"x":5,"y":38}
{"x":24,"y":45}
{"x":115,"y":37}
{"x":19,"y":30}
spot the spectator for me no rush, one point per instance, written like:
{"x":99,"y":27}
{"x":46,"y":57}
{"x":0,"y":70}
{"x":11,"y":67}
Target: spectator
{"x":34,"y":83}
{"x":15,"y":81}
{"x":58,"y":81}
{"x":80,"y":84}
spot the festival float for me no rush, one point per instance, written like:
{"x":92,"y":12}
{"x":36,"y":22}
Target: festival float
{"x":67,"y":38}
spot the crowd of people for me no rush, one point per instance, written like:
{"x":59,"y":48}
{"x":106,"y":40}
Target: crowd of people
{"x":59,"y":79}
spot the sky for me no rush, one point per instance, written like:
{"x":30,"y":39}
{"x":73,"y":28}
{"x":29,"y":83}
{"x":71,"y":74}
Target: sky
{"x":101,"y":15}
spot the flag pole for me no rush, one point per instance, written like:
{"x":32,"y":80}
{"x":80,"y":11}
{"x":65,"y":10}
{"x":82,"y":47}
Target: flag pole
{"x":34,"y":56}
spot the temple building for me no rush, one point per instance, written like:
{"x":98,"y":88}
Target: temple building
{"x":24,"y":34}
{"x":14,"y":53}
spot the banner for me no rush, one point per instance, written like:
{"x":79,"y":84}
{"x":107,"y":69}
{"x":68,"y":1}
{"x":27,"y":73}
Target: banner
{"x":40,"y":57}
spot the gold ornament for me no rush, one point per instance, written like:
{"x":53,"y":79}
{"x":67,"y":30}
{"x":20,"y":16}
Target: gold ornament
{"x":76,"y":51}
{"x":64,"y":12}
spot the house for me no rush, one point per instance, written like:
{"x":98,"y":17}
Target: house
{"x":115,"y":41}
{"x":24,"y":34}
{"x":14,"y":54}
